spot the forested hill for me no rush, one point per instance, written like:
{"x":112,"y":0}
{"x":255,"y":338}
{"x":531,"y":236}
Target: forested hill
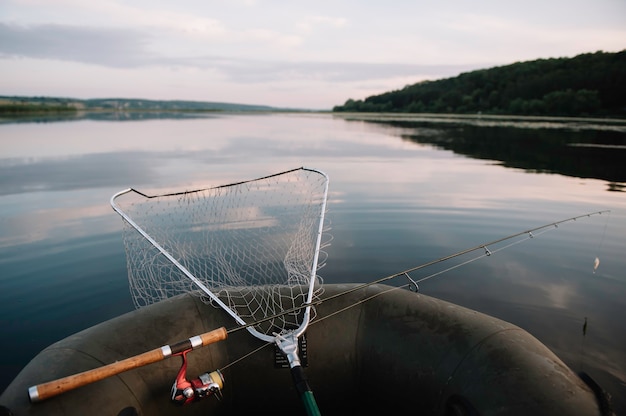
{"x":592,"y":84}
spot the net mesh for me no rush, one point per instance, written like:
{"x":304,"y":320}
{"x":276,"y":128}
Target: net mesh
{"x":252,"y":244}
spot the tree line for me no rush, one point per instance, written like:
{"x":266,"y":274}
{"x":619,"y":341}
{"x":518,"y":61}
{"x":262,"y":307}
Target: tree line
{"x":24,"y":105}
{"x":16,"y":109}
{"x":592,"y":84}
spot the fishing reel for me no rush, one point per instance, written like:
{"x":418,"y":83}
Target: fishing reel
{"x":205,"y":385}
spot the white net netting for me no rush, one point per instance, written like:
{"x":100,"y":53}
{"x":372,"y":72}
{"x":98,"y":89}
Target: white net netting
{"x":254,"y":244}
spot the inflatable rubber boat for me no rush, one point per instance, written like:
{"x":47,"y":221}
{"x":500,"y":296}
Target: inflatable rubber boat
{"x":386,"y":351}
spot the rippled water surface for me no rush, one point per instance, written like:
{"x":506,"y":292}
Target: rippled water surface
{"x":403,"y":191}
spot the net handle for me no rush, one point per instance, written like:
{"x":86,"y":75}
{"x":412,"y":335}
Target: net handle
{"x":318,"y":243}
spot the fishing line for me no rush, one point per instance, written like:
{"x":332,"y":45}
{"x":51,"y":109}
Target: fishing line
{"x":254,"y":351}
{"x":529,"y":234}
{"x":408,"y":285}
{"x":596,"y":261}
{"x":284,"y":337}
{"x":319,"y":319}
{"x":487,"y":253}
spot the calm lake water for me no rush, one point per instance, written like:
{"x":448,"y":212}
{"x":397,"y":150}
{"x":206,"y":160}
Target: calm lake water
{"x":403,"y":191}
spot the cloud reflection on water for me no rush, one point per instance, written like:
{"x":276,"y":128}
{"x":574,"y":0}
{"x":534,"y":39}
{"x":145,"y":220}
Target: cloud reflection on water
{"x":394,"y":203}
{"x":367,"y":162}
{"x":86,"y":171}
{"x":55,"y":223}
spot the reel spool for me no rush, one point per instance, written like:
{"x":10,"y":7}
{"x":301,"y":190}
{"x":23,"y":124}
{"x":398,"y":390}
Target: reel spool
{"x":205,"y":385}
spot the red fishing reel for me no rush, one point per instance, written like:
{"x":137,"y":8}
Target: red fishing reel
{"x":188,"y":391}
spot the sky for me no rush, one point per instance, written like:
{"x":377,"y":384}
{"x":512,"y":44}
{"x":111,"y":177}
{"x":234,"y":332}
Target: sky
{"x":296,"y":54}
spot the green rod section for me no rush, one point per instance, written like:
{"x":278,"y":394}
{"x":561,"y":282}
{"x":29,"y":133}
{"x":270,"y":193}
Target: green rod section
{"x":306,"y":394}
{"x":310,"y":406}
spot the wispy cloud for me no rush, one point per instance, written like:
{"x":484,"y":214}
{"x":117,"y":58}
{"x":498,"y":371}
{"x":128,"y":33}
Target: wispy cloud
{"x":126,"y":48}
{"x":108,"y":47}
{"x":319,"y":51}
{"x":311,"y":23}
{"x":254,"y":71}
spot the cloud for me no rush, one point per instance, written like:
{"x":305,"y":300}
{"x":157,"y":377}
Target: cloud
{"x":521,"y":39}
{"x":100,"y":46}
{"x":128,"y":48}
{"x":122,"y":15}
{"x":310,"y":23}
{"x":267,"y":36}
{"x":257,"y":71}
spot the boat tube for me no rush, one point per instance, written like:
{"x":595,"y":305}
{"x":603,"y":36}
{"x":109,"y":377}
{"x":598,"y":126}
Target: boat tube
{"x":395,"y":351}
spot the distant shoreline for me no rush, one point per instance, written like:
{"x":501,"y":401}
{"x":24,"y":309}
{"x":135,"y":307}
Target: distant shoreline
{"x":34,"y":105}
{"x":402,"y":116}
{"x":41,"y":113}
{"x":32,"y":109}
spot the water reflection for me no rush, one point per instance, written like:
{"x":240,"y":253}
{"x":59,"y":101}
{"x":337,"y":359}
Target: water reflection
{"x":401,"y":194}
{"x":75,"y":172}
{"x":104,"y":116}
{"x":582,"y":153}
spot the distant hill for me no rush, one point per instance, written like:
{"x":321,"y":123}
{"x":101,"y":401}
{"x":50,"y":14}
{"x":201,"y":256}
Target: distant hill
{"x":27,"y":105}
{"x":592,"y":84}
{"x":175,"y":105}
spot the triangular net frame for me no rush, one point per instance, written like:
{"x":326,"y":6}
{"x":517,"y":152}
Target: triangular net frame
{"x":251,"y":247}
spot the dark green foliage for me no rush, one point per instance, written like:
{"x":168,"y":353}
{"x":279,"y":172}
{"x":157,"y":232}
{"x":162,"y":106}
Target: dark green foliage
{"x":592,"y":84}
{"x":129,"y":104}
{"x":20,"y":109}
{"x":13,"y":105}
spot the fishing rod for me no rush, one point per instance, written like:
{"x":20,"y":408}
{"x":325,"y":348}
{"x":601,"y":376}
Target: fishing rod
{"x":185,"y":391}
{"x":484,"y":246}
{"x":405,"y":273}
{"x":53,"y":388}
{"x":487,"y":252}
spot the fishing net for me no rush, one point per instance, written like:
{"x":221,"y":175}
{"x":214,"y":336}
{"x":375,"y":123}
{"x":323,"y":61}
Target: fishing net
{"x":253,"y":245}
